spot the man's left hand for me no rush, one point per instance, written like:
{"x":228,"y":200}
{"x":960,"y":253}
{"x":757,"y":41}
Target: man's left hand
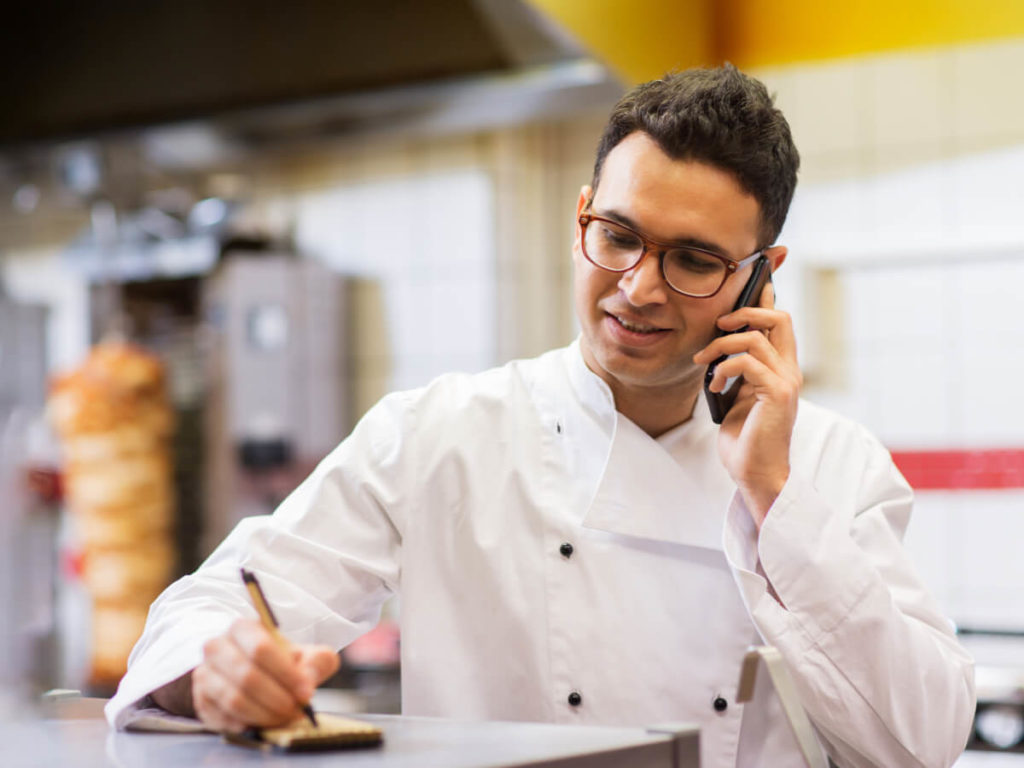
{"x":753,"y":442}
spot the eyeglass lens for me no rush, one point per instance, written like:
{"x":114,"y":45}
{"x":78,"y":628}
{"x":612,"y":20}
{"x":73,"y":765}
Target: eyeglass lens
{"x":690,"y":271}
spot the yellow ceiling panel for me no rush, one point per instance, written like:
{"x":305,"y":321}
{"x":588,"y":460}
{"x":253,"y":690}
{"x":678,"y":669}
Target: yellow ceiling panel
{"x":767,"y":32}
{"x":641,"y":39}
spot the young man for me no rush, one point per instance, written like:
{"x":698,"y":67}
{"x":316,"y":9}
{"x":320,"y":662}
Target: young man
{"x":573,"y":537}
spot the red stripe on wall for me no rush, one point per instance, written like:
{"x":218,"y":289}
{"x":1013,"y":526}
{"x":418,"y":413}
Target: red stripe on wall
{"x":962,"y":470}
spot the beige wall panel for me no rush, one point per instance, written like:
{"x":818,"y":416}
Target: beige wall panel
{"x":832,"y":109}
{"x":911,"y":99}
{"x":986,"y":93}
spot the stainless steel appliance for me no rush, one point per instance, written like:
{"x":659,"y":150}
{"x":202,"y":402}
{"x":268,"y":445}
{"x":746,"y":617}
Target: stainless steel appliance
{"x":277,"y":387}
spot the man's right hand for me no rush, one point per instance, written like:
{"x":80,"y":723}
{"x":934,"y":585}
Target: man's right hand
{"x":247,"y":679}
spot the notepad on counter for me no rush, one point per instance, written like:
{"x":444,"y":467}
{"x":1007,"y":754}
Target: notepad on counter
{"x":332,"y":732}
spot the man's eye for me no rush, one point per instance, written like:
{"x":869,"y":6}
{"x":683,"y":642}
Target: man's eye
{"x":618,"y":239}
{"x":695,"y":261}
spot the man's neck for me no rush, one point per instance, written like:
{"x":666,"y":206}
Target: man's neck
{"x":655,"y":410}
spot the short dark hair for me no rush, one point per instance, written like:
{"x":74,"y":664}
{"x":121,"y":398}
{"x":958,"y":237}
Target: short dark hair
{"x":717,"y":116}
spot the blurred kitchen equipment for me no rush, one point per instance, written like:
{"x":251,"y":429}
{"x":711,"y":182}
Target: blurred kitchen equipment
{"x":28,"y":517}
{"x":278,"y":400}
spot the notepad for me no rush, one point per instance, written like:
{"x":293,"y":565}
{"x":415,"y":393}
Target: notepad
{"x":333,"y":732}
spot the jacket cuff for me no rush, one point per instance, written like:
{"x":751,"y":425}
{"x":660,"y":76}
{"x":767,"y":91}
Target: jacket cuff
{"x":156,"y":662}
{"x":806,"y":553}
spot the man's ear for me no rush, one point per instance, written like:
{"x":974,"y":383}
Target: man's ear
{"x":776,"y":255}
{"x":581,"y":203}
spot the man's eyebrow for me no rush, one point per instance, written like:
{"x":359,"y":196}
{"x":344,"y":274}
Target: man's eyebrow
{"x":691,"y":242}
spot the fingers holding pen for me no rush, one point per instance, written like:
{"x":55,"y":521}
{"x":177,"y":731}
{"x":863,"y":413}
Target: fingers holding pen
{"x":247,"y":679}
{"x":219,"y":704}
{"x":274,"y":660}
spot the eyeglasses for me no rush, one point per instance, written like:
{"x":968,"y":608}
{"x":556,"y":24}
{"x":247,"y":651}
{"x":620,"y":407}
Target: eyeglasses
{"x":688,"y":270}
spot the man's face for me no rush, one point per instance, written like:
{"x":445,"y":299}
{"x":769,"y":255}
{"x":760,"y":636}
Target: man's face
{"x":638,"y":332}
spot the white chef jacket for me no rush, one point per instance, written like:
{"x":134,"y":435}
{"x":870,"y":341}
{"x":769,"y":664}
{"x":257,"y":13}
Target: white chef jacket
{"x":461,"y":495}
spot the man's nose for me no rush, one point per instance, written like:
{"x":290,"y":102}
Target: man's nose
{"x":644,"y":283}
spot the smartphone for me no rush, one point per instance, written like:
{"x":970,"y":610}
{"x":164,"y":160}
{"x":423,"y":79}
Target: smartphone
{"x":721,"y":402}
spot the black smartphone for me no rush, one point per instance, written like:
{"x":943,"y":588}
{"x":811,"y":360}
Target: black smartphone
{"x":721,"y":402}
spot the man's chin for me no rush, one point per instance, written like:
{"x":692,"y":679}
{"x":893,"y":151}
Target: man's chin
{"x":618,"y":364}
{"x":638,"y":371}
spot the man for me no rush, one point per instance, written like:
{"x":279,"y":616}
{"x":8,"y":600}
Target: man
{"x":574,"y":540}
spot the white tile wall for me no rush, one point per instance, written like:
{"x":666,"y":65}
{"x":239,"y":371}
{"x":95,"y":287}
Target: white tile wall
{"x":916,"y":196}
{"x":988,"y":197}
{"x":830,"y":220}
{"x":933,"y":352}
{"x":428,"y":237}
{"x":966,"y":546}
{"x":908,"y":209}
{"x":935,"y":552}
{"x":958,"y":207}
{"x":912,"y":404}
{"x":991,"y":305}
{"x":990,"y":591}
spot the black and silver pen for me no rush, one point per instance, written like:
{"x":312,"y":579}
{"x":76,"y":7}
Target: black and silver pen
{"x":269,"y":621}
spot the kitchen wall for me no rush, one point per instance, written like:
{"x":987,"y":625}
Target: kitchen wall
{"x":907,"y":250}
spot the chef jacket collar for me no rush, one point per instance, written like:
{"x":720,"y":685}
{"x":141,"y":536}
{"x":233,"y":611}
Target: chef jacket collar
{"x":665,"y":489}
{"x":589,"y":388}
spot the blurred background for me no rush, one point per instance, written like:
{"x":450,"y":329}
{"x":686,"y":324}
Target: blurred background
{"x":227,"y":228}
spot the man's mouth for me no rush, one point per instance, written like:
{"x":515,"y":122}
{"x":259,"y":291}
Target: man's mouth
{"x":635,"y":326}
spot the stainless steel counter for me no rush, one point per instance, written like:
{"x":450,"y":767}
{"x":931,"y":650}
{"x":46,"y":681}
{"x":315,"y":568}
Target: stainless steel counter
{"x":408,"y":743}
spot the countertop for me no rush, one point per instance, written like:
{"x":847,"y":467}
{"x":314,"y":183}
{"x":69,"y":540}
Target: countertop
{"x":408,"y":742}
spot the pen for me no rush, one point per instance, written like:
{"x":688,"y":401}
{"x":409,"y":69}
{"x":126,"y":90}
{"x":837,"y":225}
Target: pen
{"x":269,"y":621}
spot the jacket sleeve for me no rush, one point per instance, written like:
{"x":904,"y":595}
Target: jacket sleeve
{"x":327,"y":558}
{"x":877,"y":666}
